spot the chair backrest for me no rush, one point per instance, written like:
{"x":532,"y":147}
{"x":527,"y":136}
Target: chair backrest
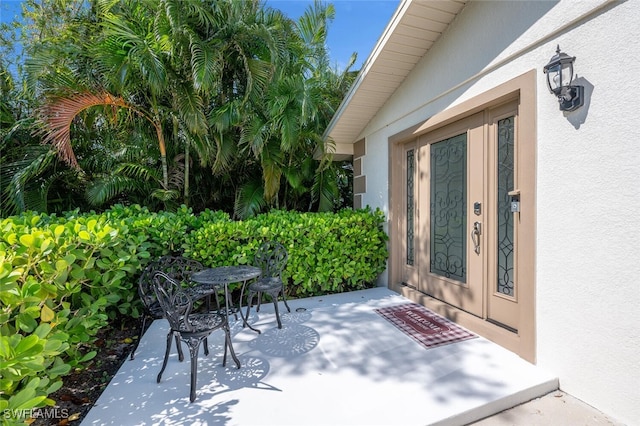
{"x":174,"y":301}
{"x":177,"y":267}
{"x":271,"y":258}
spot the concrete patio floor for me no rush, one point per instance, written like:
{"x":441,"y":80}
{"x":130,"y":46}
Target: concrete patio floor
{"x":334,"y":362}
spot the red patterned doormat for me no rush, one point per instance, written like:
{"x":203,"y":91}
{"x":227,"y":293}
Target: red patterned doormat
{"x":424,"y":326}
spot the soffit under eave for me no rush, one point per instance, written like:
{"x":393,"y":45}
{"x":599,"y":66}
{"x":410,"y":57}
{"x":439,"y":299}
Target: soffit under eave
{"x":413,"y":29}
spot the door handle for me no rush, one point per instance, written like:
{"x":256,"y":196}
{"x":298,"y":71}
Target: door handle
{"x":475,"y":236}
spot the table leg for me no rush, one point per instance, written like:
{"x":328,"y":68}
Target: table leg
{"x":227,"y":329}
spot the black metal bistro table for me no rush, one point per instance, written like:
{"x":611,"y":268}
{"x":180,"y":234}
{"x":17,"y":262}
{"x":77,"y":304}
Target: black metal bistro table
{"x":214,"y":279}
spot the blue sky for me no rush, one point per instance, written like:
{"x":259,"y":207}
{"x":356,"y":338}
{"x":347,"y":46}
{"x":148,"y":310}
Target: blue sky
{"x":356,"y":27}
{"x":9,"y":9}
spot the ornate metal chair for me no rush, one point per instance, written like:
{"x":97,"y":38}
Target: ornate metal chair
{"x":178,"y":267}
{"x":186,"y":326}
{"x":271,"y":257}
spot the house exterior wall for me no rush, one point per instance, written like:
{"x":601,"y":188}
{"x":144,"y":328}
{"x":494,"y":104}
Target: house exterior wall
{"x":588,"y":174}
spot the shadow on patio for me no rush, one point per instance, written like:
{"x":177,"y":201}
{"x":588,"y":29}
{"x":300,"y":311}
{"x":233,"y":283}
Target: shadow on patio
{"x":336,"y":362}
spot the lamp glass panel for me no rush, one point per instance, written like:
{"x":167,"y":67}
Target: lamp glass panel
{"x":554,"y":78}
{"x":567,"y":74}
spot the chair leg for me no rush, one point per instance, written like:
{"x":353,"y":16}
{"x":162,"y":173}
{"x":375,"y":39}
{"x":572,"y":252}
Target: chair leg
{"x":193,"y":352}
{"x":180,"y":354}
{"x":206,"y":346}
{"x":284,"y":299}
{"x":249,"y":302}
{"x":275,"y":305}
{"x":142,"y":327}
{"x":166,"y":356}
{"x":226,"y":345}
{"x":143,"y":323}
{"x":259,"y":301}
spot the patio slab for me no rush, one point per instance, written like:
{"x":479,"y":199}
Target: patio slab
{"x":334,"y":362}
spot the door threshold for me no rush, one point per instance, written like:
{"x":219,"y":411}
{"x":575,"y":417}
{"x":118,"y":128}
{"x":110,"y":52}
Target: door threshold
{"x":505,"y":326}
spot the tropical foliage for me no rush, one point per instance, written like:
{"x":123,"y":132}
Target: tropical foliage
{"x":212,"y":104}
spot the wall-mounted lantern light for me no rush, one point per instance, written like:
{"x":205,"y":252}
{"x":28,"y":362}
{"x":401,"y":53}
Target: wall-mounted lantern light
{"x":559,"y":72}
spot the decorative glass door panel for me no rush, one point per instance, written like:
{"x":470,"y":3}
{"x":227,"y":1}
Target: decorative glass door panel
{"x":409,"y":218}
{"x":505,"y":165}
{"x":448,"y":208}
{"x":410,"y":198}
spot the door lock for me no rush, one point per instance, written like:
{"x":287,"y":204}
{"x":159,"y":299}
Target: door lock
{"x":514,"y":204}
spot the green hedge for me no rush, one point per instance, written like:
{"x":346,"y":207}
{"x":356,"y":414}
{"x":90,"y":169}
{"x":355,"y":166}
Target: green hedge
{"x":328,"y":252}
{"x":63,"y":278}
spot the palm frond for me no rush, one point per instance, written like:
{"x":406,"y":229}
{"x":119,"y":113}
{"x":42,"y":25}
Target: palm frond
{"x":138,"y":171}
{"x":249,"y":200}
{"x":16,"y":192}
{"x":206,"y":64}
{"x":261,"y":72}
{"x":271,"y":163}
{"x":298,"y":173}
{"x":325,"y":190}
{"x":224,"y":117}
{"x":166,"y":195}
{"x":190,"y":107}
{"x":225,"y":154}
{"x":58,"y":113}
{"x":107,"y":187}
{"x":142,"y":48}
{"x":176,"y":173}
{"x":312,"y":25}
{"x":254,"y":134}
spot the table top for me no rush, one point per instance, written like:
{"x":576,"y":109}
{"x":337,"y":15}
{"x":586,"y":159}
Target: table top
{"x":226,"y":274}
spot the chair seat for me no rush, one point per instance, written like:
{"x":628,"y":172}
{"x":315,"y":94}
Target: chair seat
{"x":203,"y":322}
{"x":201,"y":290}
{"x":266,"y":284}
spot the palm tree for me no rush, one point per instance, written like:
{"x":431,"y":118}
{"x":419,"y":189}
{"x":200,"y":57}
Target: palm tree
{"x":284,"y":132}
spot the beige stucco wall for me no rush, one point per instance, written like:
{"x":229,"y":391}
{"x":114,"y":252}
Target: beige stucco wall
{"x":588,"y":175}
